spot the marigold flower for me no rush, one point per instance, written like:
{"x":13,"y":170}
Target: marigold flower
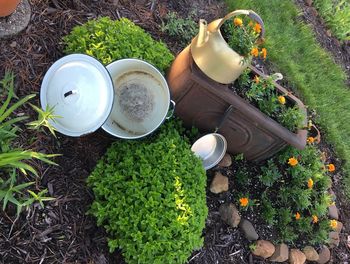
{"x":314,"y":219}
{"x":292,"y":161}
{"x":333,"y":224}
{"x":257,"y":28}
{"x":310,"y":140}
{"x":297,"y":216}
{"x":256,"y":79}
{"x":331,"y":167}
{"x":244,"y":201}
{"x":254,"y":52}
{"x":264,"y":52}
{"x":282,"y":99}
{"x":310,"y":183}
{"x":238,"y":22}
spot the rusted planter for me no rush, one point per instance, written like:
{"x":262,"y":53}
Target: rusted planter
{"x":7,"y":7}
{"x":202,"y":102}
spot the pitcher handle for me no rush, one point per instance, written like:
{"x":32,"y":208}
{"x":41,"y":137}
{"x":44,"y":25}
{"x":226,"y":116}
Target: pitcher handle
{"x":249,"y":13}
{"x":171,"y":110}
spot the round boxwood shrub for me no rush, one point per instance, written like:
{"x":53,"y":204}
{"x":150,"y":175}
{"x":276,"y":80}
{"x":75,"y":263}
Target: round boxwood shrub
{"x":150,"y":197}
{"x":109,"y":40}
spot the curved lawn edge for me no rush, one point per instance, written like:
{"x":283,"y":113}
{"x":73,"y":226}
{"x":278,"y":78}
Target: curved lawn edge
{"x":293,"y":48}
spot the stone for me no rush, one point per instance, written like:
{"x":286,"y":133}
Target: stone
{"x":324,"y":255}
{"x":333,"y":212}
{"x":281,"y":253}
{"x":334,"y":239}
{"x":226,"y":161}
{"x":339,"y":227}
{"x":264,"y":249}
{"x":313,"y":11}
{"x":248,"y":230}
{"x":296,"y":256}
{"x":329,"y":33}
{"x":219,"y":183}
{"x":310,"y":253}
{"x":229,"y":214}
{"x":308,"y":2}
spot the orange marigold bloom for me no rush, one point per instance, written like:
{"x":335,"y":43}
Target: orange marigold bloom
{"x":310,"y":183}
{"x":314,"y":219}
{"x":244,"y":201}
{"x":331,"y":167}
{"x":238,"y":22}
{"x":256,"y":79}
{"x":333,"y":224}
{"x":310,"y":140}
{"x":264,"y":52}
{"x":292,"y":161}
{"x":297,"y":216}
{"x":282,"y":99}
{"x":257,"y":28}
{"x":254,"y":52}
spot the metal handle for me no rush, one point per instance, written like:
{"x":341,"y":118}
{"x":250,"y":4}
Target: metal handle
{"x":223,"y":119}
{"x":249,"y":13}
{"x":171,"y":110}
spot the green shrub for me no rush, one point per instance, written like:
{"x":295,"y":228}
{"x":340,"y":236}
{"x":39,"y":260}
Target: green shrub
{"x":150,"y":197}
{"x":109,"y":40}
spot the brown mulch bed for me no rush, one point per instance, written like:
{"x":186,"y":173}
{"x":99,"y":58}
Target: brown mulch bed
{"x":62,"y":232}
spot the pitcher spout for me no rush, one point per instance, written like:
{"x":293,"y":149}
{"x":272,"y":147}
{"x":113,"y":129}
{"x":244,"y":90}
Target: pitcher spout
{"x":203,"y":33}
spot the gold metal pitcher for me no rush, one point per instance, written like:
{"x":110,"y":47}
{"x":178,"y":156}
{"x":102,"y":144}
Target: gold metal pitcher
{"x":213,"y":55}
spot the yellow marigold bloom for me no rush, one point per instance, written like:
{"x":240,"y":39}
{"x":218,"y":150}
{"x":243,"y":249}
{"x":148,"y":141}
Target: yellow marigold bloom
{"x":297,"y":216}
{"x":254,"y":52}
{"x":257,"y":28}
{"x":238,"y":22}
{"x":282,"y":99}
{"x":314,"y":219}
{"x":331,"y":167}
{"x":292,"y":161}
{"x":250,"y":24}
{"x":256,"y":79}
{"x":310,"y":140}
{"x":264,"y":52}
{"x":310,"y":183}
{"x":244,"y":201}
{"x":333,"y":224}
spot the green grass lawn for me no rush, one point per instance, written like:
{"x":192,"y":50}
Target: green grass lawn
{"x":293,"y":49}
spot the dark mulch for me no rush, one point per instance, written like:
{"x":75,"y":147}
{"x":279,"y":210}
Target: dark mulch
{"x":62,"y":232}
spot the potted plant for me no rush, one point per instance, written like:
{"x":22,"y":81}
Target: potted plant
{"x":7,"y":7}
{"x":202,"y":102}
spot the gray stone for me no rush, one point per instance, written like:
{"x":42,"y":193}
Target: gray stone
{"x":219,"y":183}
{"x":334,"y":239}
{"x":324,"y":255}
{"x":248,"y":230}
{"x":333,"y":212}
{"x":339,"y":227}
{"x":296,"y":256}
{"x":264,"y":249}
{"x":229,"y":214}
{"x":226,"y":161}
{"x":308,"y":2}
{"x":281,"y":253}
{"x":17,"y":21}
{"x":310,"y":253}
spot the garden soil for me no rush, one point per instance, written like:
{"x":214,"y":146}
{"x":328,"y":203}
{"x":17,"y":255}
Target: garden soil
{"x":62,"y":232}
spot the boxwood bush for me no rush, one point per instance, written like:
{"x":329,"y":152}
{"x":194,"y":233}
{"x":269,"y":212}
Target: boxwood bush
{"x":109,"y":40}
{"x":150,"y":197}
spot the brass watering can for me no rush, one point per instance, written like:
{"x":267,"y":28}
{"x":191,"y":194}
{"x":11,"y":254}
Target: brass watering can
{"x":213,"y":55}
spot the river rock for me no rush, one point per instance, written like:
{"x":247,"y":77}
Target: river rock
{"x":334,"y":239}
{"x":248,"y":230}
{"x":226,"y":161}
{"x":324,"y":255}
{"x":281,"y":253}
{"x":296,"y":257}
{"x":229,"y":214}
{"x":264,"y":249}
{"x":219,"y":183}
{"x":339,"y":227}
{"x":333,"y":212}
{"x":310,"y":253}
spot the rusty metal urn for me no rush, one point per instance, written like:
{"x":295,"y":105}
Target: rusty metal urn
{"x":202,"y":102}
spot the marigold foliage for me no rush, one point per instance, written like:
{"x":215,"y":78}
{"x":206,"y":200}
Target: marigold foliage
{"x":109,"y":40}
{"x":150,"y":197}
